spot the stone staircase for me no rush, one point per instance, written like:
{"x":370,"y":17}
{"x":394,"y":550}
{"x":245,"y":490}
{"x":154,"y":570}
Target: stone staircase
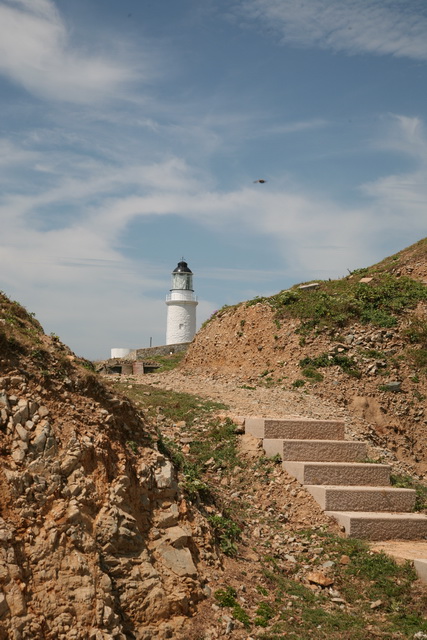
{"x":355,"y":493}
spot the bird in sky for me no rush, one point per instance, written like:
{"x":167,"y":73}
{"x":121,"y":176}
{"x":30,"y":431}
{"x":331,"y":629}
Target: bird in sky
{"x":260,"y":181}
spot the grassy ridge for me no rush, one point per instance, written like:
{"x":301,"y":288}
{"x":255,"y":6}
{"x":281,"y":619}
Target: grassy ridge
{"x":338,"y":303}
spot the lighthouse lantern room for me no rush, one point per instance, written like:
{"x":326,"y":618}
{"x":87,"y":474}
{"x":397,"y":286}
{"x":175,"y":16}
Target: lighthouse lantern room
{"x":181,"y":304}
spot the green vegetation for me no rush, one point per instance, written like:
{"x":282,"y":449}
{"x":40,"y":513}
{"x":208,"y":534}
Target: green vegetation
{"x":19,"y":329}
{"x":266,"y":379}
{"x":227,"y":533}
{"x":264,"y":613}
{"x":418,"y":357}
{"x":21,"y":335}
{"x":372,"y":353}
{"x":227,"y":598}
{"x":133,"y":446}
{"x":218,"y":313}
{"x":218,"y":444}
{"x":174,"y":406}
{"x":312,"y":374}
{"x":337,"y":303}
{"x":191,"y":482}
{"x":347,"y":364}
{"x":266,"y":466}
{"x":406,"y":482}
{"x":417,"y":332}
{"x":291,"y":609}
{"x":298,"y":383}
{"x":213,"y":448}
{"x":387,"y":580}
{"x":277,"y":601}
{"x":87,"y":364}
{"x":168,"y":362}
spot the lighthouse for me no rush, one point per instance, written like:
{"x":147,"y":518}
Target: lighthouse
{"x":181,"y":303}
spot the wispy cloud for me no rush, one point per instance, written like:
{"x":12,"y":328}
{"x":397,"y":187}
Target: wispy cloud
{"x":82,"y":258}
{"x":383,"y":27}
{"x":294,"y":218}
{"x":403,"y":192}
{"x":37,"y":53}
{"x":12,"y":154}
{"x":405,"y":134}
{"x":296,"y":127}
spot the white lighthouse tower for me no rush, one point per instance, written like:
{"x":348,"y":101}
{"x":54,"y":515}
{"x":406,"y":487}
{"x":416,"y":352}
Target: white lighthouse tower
{"x":181,"y":303}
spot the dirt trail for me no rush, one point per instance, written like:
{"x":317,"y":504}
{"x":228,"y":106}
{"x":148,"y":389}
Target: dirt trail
{"x":263,"y":532}
{"x":276,"y":402}
{"x":257,"y":401}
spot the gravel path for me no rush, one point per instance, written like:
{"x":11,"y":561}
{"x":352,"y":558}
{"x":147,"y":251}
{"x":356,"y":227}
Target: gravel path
{"x":273,"y":402}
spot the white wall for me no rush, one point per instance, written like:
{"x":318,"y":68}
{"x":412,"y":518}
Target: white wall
{"x":181,"y":321}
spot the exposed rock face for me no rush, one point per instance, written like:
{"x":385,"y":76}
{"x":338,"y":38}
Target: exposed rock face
{"x":96,"y":540}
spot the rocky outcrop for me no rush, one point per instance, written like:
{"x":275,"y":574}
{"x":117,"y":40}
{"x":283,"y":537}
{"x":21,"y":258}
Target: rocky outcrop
{"x":96,"y":539}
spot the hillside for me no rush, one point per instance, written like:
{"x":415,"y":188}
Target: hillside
{"x":96,"y":538}
{"x":359,"y":342}
{"x":132,"y":507}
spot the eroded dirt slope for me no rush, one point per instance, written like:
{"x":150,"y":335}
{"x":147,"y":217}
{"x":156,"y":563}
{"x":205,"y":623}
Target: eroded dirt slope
{"x":246,"y":345}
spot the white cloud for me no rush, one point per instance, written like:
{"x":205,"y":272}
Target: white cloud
{"x":12,"y":154}
{"x":383,"y":27}
{"x":296,"y":127}
{"x":36,"y":52}
{"x":50,"y":270}
{"x":406,"y":135}
{"x":404,"y":193}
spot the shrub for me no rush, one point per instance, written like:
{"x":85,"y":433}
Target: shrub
{"x":336,"y":303}
{"x":298,"y":383}
{"x":347,"y":364}
{"x":417,"y":332}
{"x":312,"y":374}
{"x":227,"y":533}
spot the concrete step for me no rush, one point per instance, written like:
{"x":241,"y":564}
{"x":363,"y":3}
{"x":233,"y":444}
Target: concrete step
{"x":317,"y":450}
{"x":356,"y":494}
{"x":339,"y":473}
{"x":420,"y":565}
{"x":351,"y":498}
{"x":295,"y":428}
{"x":382,"y":526}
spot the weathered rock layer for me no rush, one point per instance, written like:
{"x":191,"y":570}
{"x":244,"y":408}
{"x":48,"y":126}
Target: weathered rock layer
{"x":96,"y":539}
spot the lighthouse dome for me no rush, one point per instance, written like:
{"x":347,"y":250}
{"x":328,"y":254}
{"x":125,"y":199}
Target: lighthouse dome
{"x":182,"y":268}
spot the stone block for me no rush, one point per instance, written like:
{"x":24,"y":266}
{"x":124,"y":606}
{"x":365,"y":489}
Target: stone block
{"x":421,"y":568}
{"x":295,"y":428}
{"x":339,"y":473}
{"x":352,"y":498}
{"x":382,"y":526}
{"x":317,"y":450}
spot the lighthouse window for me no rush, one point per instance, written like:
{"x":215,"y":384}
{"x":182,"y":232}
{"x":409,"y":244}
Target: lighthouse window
{"x":181,"y":326}
{"x":183,"y":281}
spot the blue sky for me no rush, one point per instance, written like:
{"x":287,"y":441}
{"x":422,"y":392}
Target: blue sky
{"x":131,"y":133}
